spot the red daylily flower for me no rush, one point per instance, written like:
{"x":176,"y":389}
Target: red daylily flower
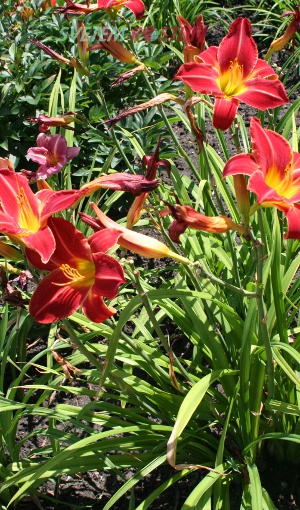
{"x":274,"y":170}
{"x":110,"y":6}
{"x":113,"y":6}
{"x":150,"y":165}
{"x":232,"y":73}
{"x":52,"y":153}
{"x":80,"y":275}
{"x":24,"y":215}
{"x":292,"y":28}
{"x":185,"y":216}
{"x":194,"y":37}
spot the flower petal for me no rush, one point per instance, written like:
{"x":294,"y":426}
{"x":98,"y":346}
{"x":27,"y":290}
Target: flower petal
{"x":56,"y":201}
{"x":137,"y":7}
{"x":263,"y":70}
{"x":38,"y":155}
{"x":296,"y":162}
{"x":8,"y":224}
{"x":95,"y":309}
{"x":136,"y":210}
{"x":104,"y":240}
{"x":176,"y":229}
{"x":72,"y":152}
{"x":71,"y":244}
{"x":42,"y":140}
{"x":263,"y":94}
{"x":240,"y":164}
{"x":56,"y":144}
{"x":238,"y":44}
{"x":54,"y":299}
{"x":224,"y":112}
{"x":293,"y":219}
{"x":272,"y":153}
{"x":108,"y":275}
{"x":44,"y":171}
{"x":266,"y":195}
{"x":200,"y":77}
{"x":18,"y":200}
{"x":35,"y":259}
{"x":42,"y":241}
{"x":209,"y":56}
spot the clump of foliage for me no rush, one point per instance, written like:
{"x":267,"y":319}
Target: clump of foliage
{"x":191,"y":359}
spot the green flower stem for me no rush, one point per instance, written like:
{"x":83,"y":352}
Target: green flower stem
{"x":134,"y":276}
{"x":75,"y":340}
{"x":181,"y":151}
{"x":218,"y":281}
{"x":255,"y":207}
{"x":101,"y":99}
{"x":99,"y":366}
{"x":204,"y":272}
{"x":52,"y":421}
{"x":259,"y":255}
{"x":235,"y":138}
{"x":165,"y":379}
{"x":187,"y":269}
{"x":229,"y":239}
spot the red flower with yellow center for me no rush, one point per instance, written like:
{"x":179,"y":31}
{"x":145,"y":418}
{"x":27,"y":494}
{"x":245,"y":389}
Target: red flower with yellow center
{"x":80,"y":275}
{"x":232,"y":73}
{"x":274,"y":170}
{"x":24,"y":215}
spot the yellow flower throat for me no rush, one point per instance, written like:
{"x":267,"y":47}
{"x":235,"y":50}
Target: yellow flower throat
{"x":231,"y":82}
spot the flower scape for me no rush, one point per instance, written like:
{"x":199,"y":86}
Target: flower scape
{"x":149,"y":255}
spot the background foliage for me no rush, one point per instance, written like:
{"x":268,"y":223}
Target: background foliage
{"x":181,"y":373}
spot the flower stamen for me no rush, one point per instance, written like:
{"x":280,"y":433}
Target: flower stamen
{"x":232,"y":82}
{"x":77,"y":278}
{"x":27,"y":219}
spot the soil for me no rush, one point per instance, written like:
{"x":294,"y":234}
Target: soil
{"x":94,"y":489}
